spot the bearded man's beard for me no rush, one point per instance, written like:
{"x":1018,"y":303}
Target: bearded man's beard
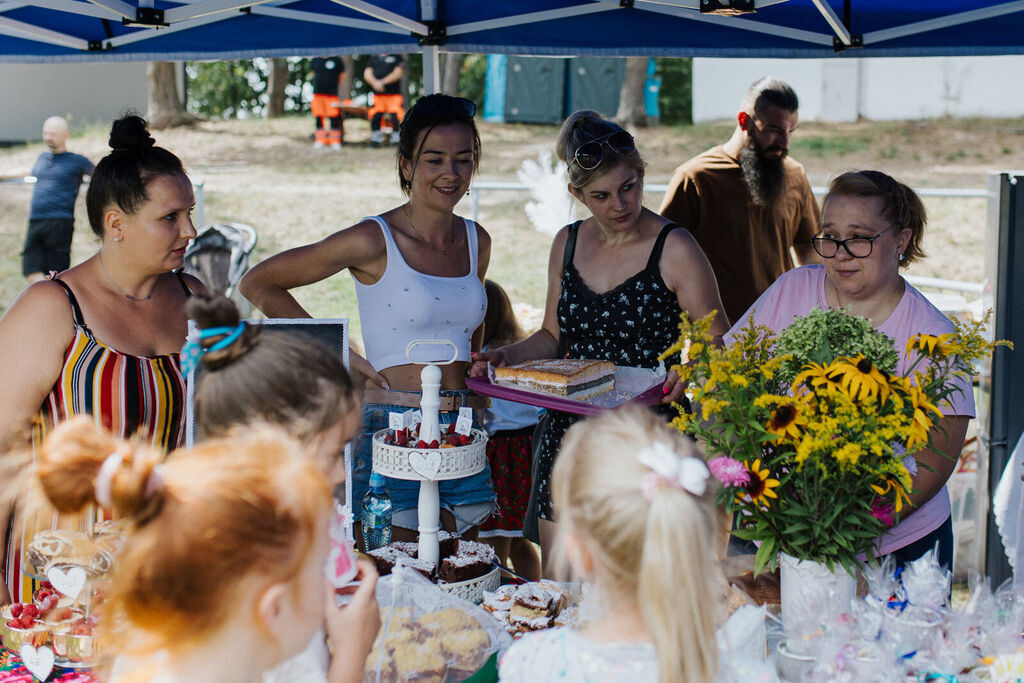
{"x":762,"y":174}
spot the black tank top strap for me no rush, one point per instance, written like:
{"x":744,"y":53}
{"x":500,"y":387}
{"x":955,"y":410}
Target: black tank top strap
{"x":570,"y":244}
{"x":184,"y":283}
{"x":659,"y":245}
{"x":76,"y":310}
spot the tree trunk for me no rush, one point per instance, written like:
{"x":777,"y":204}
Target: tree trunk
{"x":277,"y":79}
{"x":452,"y":70}
{"x":632,"y":113}
{"x":165,"y":109}
{"x":345,"y":91}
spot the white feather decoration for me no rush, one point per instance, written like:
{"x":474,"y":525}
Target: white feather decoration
{"x":552,"y":205}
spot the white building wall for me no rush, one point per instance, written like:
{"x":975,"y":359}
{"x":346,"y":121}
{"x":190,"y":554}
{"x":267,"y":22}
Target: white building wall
{"x":83,"y":93}
{"x":874,"y":88}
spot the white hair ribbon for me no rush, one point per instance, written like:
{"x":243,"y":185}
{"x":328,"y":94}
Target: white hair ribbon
{"x":105,"y":477}
{"x":689,"y":474}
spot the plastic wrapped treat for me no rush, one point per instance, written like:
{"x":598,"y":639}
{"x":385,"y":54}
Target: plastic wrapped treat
{"x":428,"y":635}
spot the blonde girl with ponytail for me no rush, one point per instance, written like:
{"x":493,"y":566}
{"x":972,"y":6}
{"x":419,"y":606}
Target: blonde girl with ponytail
{"x":222,"y":576}
{"x":635,"y":520}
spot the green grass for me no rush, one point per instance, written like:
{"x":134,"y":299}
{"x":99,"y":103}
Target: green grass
{"x":825,"y":146}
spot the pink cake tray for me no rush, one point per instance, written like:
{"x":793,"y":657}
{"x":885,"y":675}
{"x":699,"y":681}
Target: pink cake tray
{"x":638,"y":385}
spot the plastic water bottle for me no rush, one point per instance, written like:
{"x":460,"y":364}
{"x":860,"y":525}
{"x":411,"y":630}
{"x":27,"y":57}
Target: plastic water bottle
{"x":376,"y":515}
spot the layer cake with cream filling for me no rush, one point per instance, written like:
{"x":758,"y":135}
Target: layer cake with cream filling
{"x":575,"y":379}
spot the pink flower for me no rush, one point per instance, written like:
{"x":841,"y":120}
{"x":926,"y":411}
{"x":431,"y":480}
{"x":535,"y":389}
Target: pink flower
{"x":729,"y":471}
{"x":882,"y":511}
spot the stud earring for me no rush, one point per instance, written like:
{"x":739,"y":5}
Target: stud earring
{"x":902,"y":258}
{"x":117,"y":239}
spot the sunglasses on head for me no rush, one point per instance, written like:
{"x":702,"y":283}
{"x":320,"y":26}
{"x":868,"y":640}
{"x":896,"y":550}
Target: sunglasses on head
{"x":589,"y":154}
{"x":438,"y":107}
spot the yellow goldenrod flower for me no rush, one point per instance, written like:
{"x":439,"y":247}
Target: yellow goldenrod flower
{"x":848,"y":454}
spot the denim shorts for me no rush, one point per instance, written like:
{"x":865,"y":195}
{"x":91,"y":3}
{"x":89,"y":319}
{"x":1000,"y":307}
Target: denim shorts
{"x":468,"y":493}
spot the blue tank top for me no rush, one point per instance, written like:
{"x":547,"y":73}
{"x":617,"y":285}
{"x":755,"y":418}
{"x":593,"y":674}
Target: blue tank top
{"x":406,"y":304}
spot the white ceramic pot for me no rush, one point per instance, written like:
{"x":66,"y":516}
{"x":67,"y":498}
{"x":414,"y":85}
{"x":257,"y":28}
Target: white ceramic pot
{"x":810,"y":592}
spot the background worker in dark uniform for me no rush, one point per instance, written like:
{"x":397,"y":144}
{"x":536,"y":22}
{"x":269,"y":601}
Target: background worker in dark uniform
{"x":327,"y":74}
{"x":384,"y":75}
{"x":51,"y":220}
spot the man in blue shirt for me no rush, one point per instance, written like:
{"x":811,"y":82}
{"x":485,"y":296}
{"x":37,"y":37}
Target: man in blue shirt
{"x":51,"y":220}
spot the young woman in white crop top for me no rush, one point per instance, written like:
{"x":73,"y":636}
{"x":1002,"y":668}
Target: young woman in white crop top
{"x":419,"y":272}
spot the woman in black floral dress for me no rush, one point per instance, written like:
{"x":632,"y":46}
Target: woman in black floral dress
{"x":617,"y":281}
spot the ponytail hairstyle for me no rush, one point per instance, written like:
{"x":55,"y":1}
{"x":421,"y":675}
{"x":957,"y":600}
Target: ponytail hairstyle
{"x":651,"y":546}
{"x":204,"y":522}
{"x":587,"y":126}
{"x":122,"y":177}
{"x":500,"y":324}
{"x":265,"y":375}
{"x":900,"y":205}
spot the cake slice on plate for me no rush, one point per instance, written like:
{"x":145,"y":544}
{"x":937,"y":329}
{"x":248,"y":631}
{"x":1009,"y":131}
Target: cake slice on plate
{"x":575,"y":379}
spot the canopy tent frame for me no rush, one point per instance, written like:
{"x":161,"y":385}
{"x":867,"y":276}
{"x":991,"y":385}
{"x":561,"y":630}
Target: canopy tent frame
{"x":450,"y":26}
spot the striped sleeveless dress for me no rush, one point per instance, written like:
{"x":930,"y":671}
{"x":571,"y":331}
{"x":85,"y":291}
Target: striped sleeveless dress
{"x":132,"y":396}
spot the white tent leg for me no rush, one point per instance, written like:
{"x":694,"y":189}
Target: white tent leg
{"x":431,"y":69}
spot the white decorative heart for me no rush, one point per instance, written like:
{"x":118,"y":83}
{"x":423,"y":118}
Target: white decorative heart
{"x":69,"y":583}
{"x":38,"y":662}
{"x":425,"y":464}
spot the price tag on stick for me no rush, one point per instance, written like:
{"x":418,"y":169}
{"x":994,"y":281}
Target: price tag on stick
{"x":465,"y":422}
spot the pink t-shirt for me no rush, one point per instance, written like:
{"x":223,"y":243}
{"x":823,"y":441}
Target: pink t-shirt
{"x":799,"y":291}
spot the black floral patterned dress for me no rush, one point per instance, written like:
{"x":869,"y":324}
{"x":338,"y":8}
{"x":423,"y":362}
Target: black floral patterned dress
{"x":630,"y":325}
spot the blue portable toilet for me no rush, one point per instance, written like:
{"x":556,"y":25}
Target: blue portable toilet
{"x":494,"y":88}
{"x":652,"y":88}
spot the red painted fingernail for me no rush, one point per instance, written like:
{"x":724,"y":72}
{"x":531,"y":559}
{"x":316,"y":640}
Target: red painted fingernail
{"x":664,"y":390}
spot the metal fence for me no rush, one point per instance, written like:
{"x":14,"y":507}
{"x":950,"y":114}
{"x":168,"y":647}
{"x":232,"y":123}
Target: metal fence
{"x":957,"y":287}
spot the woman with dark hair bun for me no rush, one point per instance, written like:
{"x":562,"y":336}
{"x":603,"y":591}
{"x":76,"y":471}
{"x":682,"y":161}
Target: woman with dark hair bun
{"x":102,"y":338}
{"x":418,"y":272}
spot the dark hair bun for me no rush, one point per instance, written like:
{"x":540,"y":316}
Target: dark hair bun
{"x":130,"y":134}
{"x":212,"y":311}
{"x":220,"y":311}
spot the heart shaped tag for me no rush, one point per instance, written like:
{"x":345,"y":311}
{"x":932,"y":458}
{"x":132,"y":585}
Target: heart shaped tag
{"x":425,"y":464}
{"x":38,"y":662}
{"x":69,"y":583}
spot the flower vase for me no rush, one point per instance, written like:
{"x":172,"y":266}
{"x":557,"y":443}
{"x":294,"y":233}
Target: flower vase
{"x":810,"y":594}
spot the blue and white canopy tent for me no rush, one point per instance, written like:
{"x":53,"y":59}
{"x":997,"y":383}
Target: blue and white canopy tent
{"x":159,"y":30}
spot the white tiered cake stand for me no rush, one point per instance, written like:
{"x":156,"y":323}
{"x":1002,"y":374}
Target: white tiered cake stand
{"x":431,"y":465}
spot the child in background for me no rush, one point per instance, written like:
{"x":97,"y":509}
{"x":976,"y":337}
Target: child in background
{"x":222,"y":576}
{"x":510,"y":427}
{"x":635,"y":519}
{"x":255,"y":375}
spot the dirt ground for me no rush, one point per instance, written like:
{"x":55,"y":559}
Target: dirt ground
{"x":266,"y":174}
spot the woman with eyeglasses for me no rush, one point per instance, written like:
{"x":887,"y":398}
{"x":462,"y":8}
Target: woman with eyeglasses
{"x":418,"y":272}
{"x":617,"y":283}
{"x":873,"y":225}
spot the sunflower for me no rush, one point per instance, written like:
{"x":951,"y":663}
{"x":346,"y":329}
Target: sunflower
{"x":759,"y":490}
{"x":922,"y":421}
{"x":898,"y":483}
{"x":862,"y":380}
{"x":929,"y":344}
{"x":787,"y":419}
{"x":815,"y":376}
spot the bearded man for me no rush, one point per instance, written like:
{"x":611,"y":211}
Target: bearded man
{"x":747,"y":202}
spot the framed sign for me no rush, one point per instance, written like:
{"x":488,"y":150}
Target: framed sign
{"x":330,"y":332}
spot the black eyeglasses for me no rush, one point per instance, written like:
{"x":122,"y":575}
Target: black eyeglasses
{"x":857,"y":247}
{"x":434,"y":107}
{"x":589,"y":154}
